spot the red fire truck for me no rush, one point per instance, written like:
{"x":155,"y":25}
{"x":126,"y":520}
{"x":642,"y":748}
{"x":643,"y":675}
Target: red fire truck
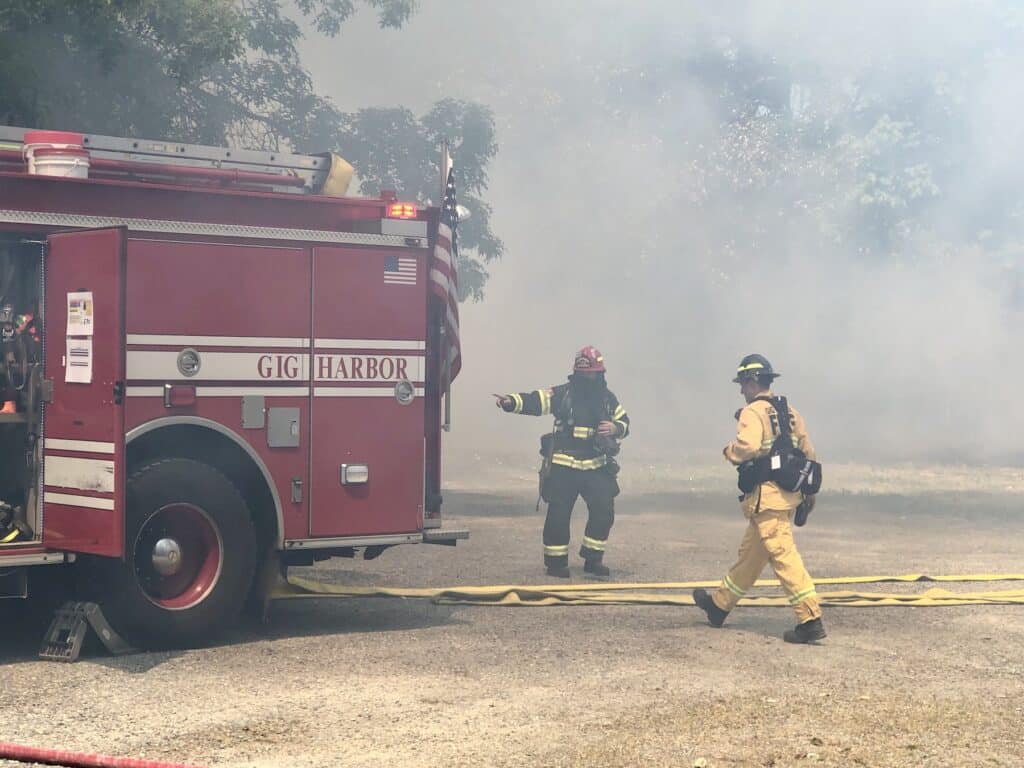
{"x":214,"y":365}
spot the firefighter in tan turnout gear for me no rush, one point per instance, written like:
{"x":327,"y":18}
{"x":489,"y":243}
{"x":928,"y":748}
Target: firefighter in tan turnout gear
{"x":578,"y":459}
{"x":768,"y":506}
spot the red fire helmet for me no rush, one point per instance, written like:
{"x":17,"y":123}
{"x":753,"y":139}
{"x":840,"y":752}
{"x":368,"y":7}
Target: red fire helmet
{"x":589,"y":359}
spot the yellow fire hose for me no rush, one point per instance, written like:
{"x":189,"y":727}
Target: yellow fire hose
{"x":666,"y":593}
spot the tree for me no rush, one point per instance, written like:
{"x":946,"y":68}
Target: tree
{"x":407,"y":163}
{"x":881,"y":156}
{"x":229,"y":72}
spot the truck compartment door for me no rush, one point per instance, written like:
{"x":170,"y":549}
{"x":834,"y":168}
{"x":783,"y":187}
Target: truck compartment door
{"x":83,"y":424}
{"x":369,"y":337}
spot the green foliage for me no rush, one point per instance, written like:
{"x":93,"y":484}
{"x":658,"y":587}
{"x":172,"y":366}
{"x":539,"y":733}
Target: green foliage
{"x":407,"y":163}
{"x":328,"y":15}
{"x":884,"y":158}
{"x":229,"y":71}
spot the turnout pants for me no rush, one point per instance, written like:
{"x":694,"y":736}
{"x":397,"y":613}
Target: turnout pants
{"x":563,"y":486}
{"x":769,"y":539}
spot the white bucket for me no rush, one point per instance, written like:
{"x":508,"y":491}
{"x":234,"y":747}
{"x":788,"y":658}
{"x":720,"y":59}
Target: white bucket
{"x":58,"y":161}
{"x":56,"y":153}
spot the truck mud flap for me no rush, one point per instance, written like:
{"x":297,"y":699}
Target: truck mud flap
{"x":14,"y":583}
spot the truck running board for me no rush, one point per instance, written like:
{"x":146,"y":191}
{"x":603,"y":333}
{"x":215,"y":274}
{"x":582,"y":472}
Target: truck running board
{"x":66,"y":635}
{"x":445,"y":536}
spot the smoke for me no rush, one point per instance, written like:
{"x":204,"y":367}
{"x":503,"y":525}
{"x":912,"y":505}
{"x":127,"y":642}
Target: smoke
{"x":831,"y":185}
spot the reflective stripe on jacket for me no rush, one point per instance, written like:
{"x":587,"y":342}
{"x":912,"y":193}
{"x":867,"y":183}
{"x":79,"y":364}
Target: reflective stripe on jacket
{"x":575,"y":430}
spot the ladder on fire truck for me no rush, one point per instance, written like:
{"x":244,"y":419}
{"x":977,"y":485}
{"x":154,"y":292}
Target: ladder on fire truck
{"x":297,"y":174}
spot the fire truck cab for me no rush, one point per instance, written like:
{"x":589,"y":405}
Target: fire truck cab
{"x":212,"y":363}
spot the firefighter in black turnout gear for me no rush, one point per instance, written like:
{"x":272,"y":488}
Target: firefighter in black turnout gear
{"x":579,"y":459}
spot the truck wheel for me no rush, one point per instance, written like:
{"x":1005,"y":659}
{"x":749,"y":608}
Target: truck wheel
{"x":190,"y":554}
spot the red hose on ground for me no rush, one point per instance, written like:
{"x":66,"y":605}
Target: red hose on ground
{"x":76,"y":759}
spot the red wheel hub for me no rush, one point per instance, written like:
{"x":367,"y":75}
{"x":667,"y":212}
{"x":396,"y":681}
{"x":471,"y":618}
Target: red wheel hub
{"x":178,"y":556}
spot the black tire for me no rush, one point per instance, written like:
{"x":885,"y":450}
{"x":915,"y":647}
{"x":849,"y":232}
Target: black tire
{"x":211,"y":523}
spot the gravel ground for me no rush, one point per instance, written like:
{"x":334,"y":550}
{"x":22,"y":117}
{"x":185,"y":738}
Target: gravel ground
{"x":388,"y":682}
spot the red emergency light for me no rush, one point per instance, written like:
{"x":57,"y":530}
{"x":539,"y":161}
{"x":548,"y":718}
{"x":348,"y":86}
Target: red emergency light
{"x":402,"y":211}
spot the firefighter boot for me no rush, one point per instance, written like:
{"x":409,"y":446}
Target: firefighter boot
{"x":716,"y":616}
{"x":556,"y":559}
{"x":592,"y":563}
{"x":808,"y":632}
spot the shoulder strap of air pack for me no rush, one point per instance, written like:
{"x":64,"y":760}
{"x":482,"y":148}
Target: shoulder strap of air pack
{"x":781,"y":406}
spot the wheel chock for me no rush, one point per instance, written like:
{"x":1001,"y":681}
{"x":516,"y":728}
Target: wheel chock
{"x":66,"y":635}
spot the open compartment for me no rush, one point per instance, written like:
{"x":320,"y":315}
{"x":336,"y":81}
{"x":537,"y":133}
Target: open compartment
{"x":21,"y":387}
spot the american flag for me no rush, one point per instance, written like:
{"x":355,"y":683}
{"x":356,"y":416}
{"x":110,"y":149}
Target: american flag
{"x":444,"y":276}
{"x":399,"y":270}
